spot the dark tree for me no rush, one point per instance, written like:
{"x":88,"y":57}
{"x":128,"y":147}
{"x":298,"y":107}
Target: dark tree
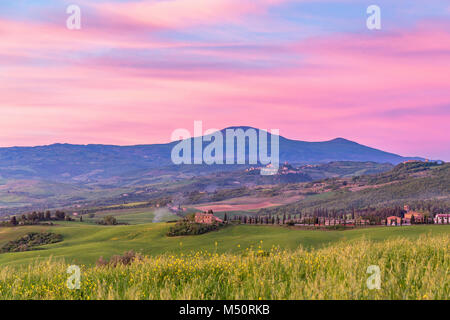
{"x":13,"y":221}
{"x":60,"y":215}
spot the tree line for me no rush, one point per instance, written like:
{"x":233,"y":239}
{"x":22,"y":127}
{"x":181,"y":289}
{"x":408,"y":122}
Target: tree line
{"x":318,"y":216}
{"x":37,"y":217}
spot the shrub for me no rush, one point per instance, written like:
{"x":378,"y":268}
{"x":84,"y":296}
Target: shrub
{"x":31,"y":240}
{"x":125,"y":259}
{"x":337,"y":227}
{"x":184,"y":228}
{"x":108,"y":220}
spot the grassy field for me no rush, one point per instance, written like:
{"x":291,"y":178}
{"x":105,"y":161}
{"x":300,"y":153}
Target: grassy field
{"x":408,"y":268}
{"x":137,"y":215}
{"x":84,"y":243}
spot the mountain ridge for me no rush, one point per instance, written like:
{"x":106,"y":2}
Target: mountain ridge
{"x":64,"y":161}
{"x":337,"y":139}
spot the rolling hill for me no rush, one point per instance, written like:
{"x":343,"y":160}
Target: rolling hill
{"x":85,"y":243}
{"x":407,"y":183}
{"x":62,"y":175}
{"x":95,"y":163}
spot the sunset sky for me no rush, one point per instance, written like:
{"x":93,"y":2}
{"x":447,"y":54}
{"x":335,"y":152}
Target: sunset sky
{"x":137,"y":70}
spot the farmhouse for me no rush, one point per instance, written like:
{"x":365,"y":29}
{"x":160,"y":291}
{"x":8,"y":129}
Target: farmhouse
{"x":442,"y":218}
{"x":418,"y":217}
{"x":207,"y":218}
{"x":394,"y":221}
{"x":410,"y":215}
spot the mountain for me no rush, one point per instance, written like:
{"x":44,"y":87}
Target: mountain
{"x":87,"y":163}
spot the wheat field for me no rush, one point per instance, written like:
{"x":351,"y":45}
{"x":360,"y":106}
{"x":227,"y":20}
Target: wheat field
{"x":409,"y":269}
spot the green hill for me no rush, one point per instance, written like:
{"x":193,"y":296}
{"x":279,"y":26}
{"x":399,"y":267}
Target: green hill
{"x":84,"y":243}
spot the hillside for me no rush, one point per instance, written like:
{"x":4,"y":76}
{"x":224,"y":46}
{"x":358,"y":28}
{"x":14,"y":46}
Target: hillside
{"x":65,"y":175}
{"x":406,"y":183}
{"x":185,"y":185}
{"x":100,"y":163}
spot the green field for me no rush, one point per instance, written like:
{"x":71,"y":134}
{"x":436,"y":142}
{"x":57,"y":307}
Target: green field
{"x":137,"y":215}
{"x":84,"y":243}
{"x":414,"y":268}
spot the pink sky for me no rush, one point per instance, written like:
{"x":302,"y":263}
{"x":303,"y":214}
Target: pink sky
{"x":134,"y":73}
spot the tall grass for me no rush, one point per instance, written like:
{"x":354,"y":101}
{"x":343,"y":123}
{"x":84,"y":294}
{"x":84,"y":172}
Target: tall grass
{"x":410,"y":269}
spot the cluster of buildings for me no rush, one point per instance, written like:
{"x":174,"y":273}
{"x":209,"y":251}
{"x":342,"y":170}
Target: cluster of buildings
{"x":286,"y":168}
{"x":415,"y":217}
{"x":442,"y":218}
{"x":206,"y":218}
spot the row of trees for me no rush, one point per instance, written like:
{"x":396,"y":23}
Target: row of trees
{"x":319,"y":216}
{"x":289,"y":219}
{"x":374,"y":214}
{"x":37,"y":217}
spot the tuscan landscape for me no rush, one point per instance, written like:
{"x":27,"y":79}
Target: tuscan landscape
{"x":217,"y":150}
{"x":173,"y":247}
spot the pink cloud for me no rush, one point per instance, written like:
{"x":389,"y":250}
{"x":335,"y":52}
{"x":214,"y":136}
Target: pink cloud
{"x":181,"y":13}
{"x":389,"y":90}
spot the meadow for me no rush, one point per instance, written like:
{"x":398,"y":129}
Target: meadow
{"x":85,"y":242}
{"x":136,"y":215}
{"x":410,"y":268}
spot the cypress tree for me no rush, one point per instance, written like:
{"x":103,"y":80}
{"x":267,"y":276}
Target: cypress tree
{"x":13,"y":221}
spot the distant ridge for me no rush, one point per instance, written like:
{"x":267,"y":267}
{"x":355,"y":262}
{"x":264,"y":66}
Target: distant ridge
{"x":64,"y":162}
